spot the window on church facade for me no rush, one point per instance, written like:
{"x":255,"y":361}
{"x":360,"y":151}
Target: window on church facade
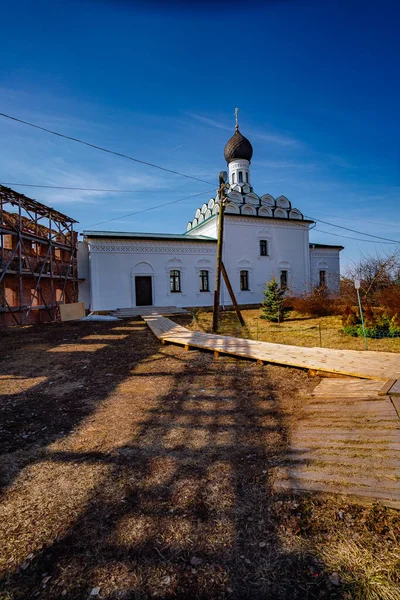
{"x":244,"y":280}
{"x":233,"y":177}
{"x":284,"y":279}
{"x":204,"y":284}
{"x":322,"y":278}
{"x":247,"y":177}
{"x":240,"y":176}
{"x":263,"y":248}
{"x":175,"y":280}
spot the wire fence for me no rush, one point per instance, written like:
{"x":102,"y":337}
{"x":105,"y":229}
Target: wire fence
{"x":320,"y":334}
{"x":313,"y":335}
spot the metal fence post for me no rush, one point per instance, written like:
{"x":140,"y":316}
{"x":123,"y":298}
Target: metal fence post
{"x":357,"y":285}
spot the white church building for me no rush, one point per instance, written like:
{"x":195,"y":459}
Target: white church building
{"x":264,"y":237}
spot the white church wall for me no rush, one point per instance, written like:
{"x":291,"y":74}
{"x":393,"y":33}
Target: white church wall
{"x":208,"y":228}
{"x":328,"y":260}
{"x":115,"y":263}
{"x":288,"y":250}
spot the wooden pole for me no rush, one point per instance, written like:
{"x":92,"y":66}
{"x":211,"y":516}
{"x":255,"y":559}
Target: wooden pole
{"x":232,"y":294}
{"x":217,"y":290}
{"x":21,"y":318}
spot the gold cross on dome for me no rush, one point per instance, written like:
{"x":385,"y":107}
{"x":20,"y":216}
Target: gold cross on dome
{"x":237,"y":118}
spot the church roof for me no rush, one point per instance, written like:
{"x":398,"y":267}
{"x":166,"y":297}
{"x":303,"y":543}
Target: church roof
{"x":148,"y":236}
{"x":238,"y":147}
{"x":312,"y":245}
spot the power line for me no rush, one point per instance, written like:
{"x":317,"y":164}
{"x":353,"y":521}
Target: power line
{"x":138,"y":212}
{"x":85,"y":189}
{"x":340,"y":235}
{"x":385,"y":240}
{"x":353,"y":230}
{"x":67,"y":137}
{"x":160,"y":190}
{"x":362,"y":221}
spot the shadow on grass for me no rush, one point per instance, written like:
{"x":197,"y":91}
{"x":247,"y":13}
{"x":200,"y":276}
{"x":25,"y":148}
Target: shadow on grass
{"x":75,"y":383}
{"x":185,"y":508}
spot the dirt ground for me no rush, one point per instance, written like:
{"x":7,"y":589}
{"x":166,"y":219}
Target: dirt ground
{"x":135,"y":470}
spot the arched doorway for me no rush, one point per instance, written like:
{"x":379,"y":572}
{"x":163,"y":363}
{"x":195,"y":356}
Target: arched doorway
{"x":142,"y":275}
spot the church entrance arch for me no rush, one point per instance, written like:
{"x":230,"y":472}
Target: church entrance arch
{"x":142,"y":278}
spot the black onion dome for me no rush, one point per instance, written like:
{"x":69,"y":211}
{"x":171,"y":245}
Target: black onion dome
{"x":238,"y":147}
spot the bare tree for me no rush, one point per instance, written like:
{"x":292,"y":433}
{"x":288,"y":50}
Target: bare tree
{"x":375,"y":274}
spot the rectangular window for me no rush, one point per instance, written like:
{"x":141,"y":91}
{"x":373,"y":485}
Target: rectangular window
{"x":11,"y":297}
{"x":247,"y":177}
{"x":175,"y":281}
{"x":284,"y":279}
{"x":9,"y":242}
{"x":34,"y":297}
{"x":263,"y":248}
{"x":322,"y":278}
{"x":233,"y":177}
{"x":204,"y":281}
{"x":240,"y":176}
{"x":244,"y":280}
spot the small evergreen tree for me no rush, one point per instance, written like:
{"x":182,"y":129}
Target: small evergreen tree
{"x":273,"y":306}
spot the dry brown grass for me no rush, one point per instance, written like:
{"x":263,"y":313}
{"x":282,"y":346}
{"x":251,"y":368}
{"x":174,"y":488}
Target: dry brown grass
{"x":358,"y":545}
{"x":147,"y":471}
{"x":298,"y":330}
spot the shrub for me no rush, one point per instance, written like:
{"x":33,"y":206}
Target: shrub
{"x":348,"y":294}
{"x":346,"y":314}
{"x":352,"y":319}
{"x":375,"y":326}
{"x":317,"y":303}
{"x":273,"y":306}
{"x":351,"y":322}
{"x":389,"y":299}
{"x":352,"y":330}
{"x":369,"y":317}
{"x":394,"y":326}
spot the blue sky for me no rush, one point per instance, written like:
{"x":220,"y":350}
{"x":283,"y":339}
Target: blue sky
{"x":317,"y":84}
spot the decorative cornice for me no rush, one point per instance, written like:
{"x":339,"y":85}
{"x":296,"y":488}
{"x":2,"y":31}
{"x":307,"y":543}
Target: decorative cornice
{"x":143,"y":248}
{"x":325,"y":254}
{"x":272,"y":221}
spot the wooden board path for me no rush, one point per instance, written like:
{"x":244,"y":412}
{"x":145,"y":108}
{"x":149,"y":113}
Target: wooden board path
{"x":365,"y":364}
{"x":347,"y":442}
{"x":347,"y":438}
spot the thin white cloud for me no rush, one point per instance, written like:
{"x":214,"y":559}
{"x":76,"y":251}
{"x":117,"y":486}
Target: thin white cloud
{"x":173,"y":149}
{"x":283,"y":164}
{"x":210,"y":122}
{"x":275,"y":138}
{"x":270,"y":138}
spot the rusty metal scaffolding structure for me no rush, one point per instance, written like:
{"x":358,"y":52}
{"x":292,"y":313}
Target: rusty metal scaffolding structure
{"x":38,"y":259}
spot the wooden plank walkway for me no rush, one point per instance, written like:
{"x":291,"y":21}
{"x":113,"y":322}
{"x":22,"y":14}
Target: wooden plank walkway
{"x":347,"y":438}
{"x":366,"y":364}
{"x":347,"y":442}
